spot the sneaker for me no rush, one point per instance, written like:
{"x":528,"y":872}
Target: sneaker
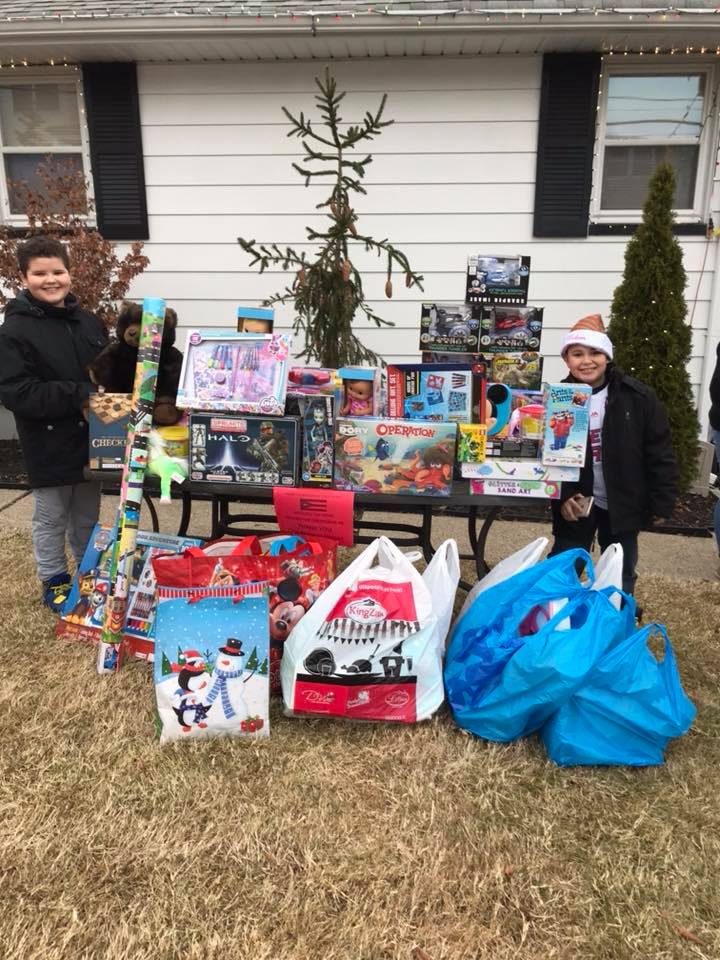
{"x":56,"y":591}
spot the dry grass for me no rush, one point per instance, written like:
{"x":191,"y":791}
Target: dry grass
{"x":338,"y":842}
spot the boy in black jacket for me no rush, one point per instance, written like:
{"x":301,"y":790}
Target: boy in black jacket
{"x":630,"y":470}
{"x":46,"y":344}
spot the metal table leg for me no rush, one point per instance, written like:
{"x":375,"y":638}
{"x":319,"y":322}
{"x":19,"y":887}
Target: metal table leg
{"x":480,"y":541}
{"x":186,"y":513}
{"x":152,"y":511}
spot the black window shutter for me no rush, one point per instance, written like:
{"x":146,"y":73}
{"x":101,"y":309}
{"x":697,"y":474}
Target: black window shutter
{"x":113,"y":116}
{"x":563,"y":178}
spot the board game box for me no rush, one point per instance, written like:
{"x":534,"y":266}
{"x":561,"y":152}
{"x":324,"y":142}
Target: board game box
{"x":518,"y":370}
{"x":505,"y":329}
{"x":226,"y":448}
{"x":450,"y":327}
{"x":108,"y":419}
{"x":567,"y":421}
{"x":498,"y":280}
{"x":447,"y":392}
{"x":394,"y":456}
{"x":234,"y":372}
{"x":84,"y":612}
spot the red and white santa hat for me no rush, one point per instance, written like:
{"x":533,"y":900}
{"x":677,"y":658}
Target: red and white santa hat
{"x":589,"y":332}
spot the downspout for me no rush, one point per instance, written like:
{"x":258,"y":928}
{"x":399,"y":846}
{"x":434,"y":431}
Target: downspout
{"x":712,"y":334}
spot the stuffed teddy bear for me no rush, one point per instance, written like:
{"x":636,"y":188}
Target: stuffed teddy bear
{"x":114,"y":368}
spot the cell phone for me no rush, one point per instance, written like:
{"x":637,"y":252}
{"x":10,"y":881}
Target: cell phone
{"x":586,"y":504}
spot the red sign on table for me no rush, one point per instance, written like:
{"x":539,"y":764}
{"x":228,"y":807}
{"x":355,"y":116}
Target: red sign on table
{"x":316,"y":513}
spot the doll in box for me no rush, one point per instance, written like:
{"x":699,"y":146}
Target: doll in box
{"x":358,"y":396}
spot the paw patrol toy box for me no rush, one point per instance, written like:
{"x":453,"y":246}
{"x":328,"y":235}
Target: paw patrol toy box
{"x":394,"y":456}
{"x":244,"y":449}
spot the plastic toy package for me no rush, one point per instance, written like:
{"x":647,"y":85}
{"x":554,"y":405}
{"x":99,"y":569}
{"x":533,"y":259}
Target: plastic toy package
{"x":85,"y":608}
{"x":225,"y":448}
{"x":567,"y":421}
{"x":498,"y":280}
{"x":450,"y":327}
{"x":448,"y":392}
{"x":359,"y":393}
{"x":317,"y":439}
{"x":234,"y":372}
{"x":394,"y":456}
{"x":505,"y":329}
{"x":310,"y":381}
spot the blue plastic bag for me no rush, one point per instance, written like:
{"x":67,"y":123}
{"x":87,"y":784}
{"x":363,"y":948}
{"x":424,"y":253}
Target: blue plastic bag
{"x":628,"y":710}
{"x":482,"y":642}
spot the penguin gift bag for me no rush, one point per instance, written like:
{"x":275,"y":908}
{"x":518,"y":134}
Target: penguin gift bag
{"x":211,"y":667}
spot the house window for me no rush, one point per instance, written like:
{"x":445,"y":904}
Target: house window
{"x":40,"y":117}
{"x":646,"y":117}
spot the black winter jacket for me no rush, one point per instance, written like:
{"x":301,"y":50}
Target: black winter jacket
{"x":638,"y":461}
{"x":44,"y":354}
{"x":715,"y":394}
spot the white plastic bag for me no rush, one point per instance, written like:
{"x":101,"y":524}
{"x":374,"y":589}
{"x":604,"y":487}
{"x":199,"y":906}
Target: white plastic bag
{"x":608,"y":572}
{"x":526,"y":557}
{"x":371,"y":647}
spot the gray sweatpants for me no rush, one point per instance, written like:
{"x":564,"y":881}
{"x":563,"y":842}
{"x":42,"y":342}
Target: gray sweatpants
{"x":70,"y":511}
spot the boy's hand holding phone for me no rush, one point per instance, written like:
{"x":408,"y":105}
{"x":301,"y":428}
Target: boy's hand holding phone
{"x":576,"y":508}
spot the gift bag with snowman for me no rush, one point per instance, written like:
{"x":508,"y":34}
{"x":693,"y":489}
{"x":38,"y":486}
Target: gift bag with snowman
{"x":211,"y":666}
{"x":371,"y":647}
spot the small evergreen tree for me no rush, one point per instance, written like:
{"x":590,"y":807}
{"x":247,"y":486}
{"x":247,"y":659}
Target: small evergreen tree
{"x":327,"y":290}
{"x":263,"y":668}
{"x":252,"y":661}
{"x":648,"y":328}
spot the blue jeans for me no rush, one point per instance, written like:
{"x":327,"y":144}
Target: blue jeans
{"x":715,"y":437}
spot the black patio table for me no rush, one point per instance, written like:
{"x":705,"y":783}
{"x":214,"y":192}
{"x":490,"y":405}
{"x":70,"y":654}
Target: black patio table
{"x":230,"y":516}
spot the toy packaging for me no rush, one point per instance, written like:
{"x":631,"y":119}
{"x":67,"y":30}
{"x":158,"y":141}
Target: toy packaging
{"x":480,"y":364}
{"x":211,"y":667}
{"x":567,"y":419}
{"x":85,"y":607}
{"x":108,"y":419}
{"x":498,"y":280}
{"x":451,"y":327}
{"x":471,"y":442}
{"x":518,"y":370}
{"x":255,"y":320}
{"x":234,"y":372}
{"x":512,"y":448}
{"x":533,"y":489}
{"x":448,"y":392}
{"x":505,"y":329}
{"x":310,"y":381}
{"x":317,"y":439}
{"x":360,"y":392}
{"x":394,"y":456}
{"x":244,"y":449}
{"x":499,"y":469}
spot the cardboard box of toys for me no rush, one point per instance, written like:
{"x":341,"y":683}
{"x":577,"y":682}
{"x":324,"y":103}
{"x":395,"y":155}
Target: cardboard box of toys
{"x":225,"y":448}
{"x":506,"y":329}
{"x":108,"y":419}
{"x":234,"y":372}
{"x":567,"y":421}
{"x":498,"y":280}
{"x":359,"y":392}
{"x":450,"y":327}
{"x":447,"y":392}
{"x":394,"y":456}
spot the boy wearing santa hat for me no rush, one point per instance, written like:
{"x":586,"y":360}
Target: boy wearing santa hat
{"x":630,"y":470}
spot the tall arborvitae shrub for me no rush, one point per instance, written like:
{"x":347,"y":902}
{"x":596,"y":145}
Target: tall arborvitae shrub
{"x":648,"y":323}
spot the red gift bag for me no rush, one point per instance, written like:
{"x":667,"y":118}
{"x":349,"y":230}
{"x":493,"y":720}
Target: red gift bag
{"x":296,"y":571}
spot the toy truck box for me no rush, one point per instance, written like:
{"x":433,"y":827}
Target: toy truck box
{"x":244,"y":449}
{"x":446,"y":392}
{"x":498,"y":280}
{"x":394,"y":456}
{"x":451,"y":327}
{"x":506,"y":329}
{"x":567,"y":421}
{"x":108,"y":419}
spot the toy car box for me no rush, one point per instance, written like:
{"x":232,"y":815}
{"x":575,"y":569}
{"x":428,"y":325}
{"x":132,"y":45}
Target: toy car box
{"x":567,"y":421}
{"x":505,"y":329}
{"x":450,"y":327}
{"x":448,"y":392}
{"x":394,"y":456}
{"x":225,"y":448}
{"x":498,"y":280}
{"x":108,"y":419}
{"x":234,"y":372}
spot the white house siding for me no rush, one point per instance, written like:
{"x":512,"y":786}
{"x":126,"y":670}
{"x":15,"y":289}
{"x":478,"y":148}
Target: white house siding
{"x":453,"y":176}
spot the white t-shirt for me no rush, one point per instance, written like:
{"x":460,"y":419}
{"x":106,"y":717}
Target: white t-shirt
{"x":597,"y":415}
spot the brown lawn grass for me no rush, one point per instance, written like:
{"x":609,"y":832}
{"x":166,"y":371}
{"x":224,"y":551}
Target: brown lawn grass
{"x":335,"y":841}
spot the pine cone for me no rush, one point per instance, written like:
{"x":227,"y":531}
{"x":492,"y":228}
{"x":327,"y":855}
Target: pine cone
{"x":345,"y":268}
{"x":408,"y":279}
{"x":388,"y":288}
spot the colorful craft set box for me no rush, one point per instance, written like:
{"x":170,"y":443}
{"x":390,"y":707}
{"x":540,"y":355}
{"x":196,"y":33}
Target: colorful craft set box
{"x":499,"y":469}
{"x":394,"y":456}
{"x":228,"y":448}
{"x":84,"y":612}
{"x":450,"y":327}
{"x":567,"y":420}
{"x":448,"y":392}
{"x":518,"y":370}
{"x":108,"y":419}
{"x":317,"y":440}
{"x":505,"y":329}
{"x":498,"y":280}
{"x":524,"y":489}
{"x":234,"y":372}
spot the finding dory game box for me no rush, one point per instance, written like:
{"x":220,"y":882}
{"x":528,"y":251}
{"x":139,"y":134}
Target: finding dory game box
{"x":394,"y":456}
